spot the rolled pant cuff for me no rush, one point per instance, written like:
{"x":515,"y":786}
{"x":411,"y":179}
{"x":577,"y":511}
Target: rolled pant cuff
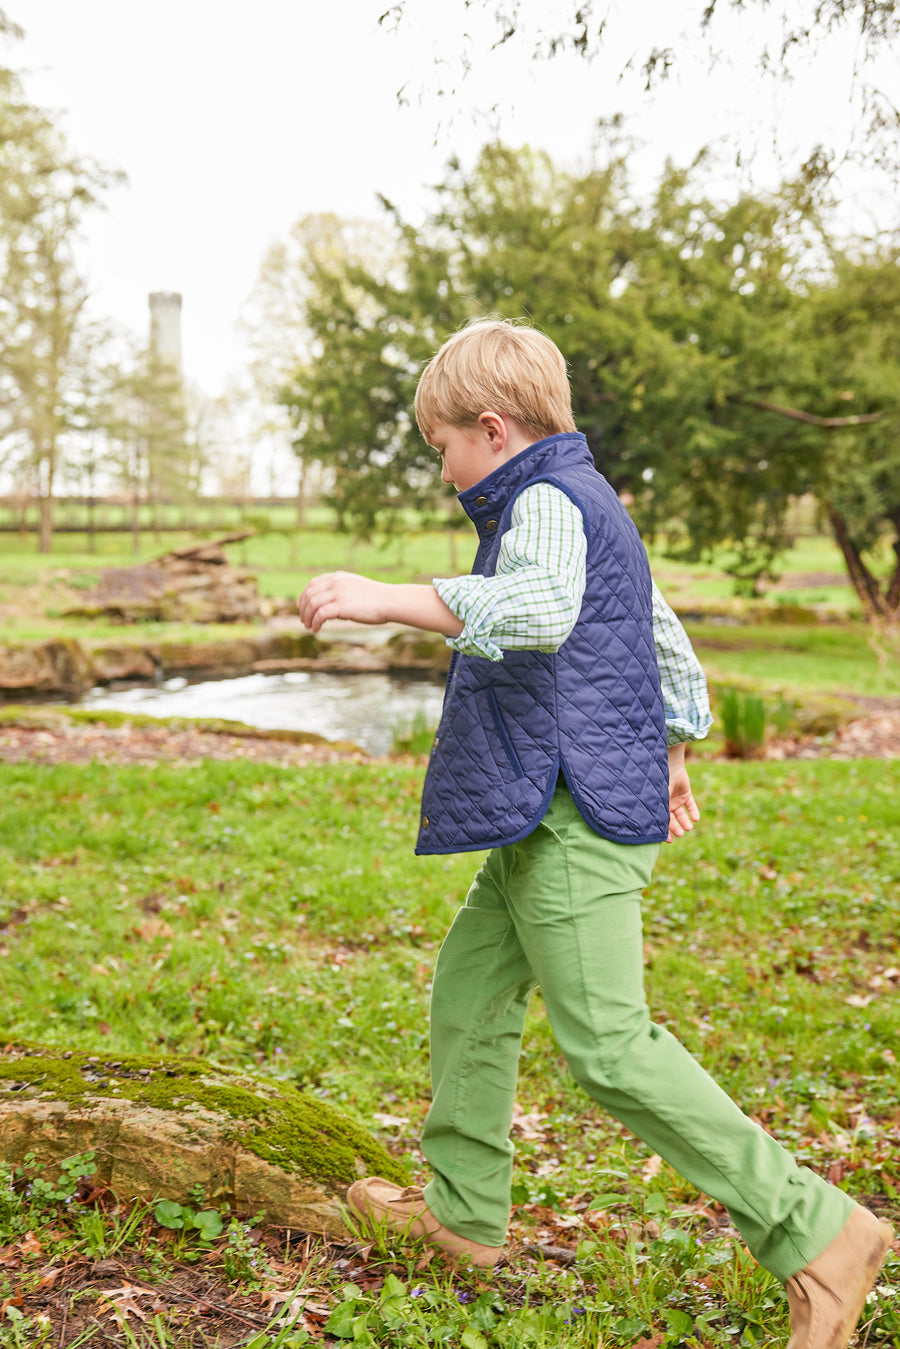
{"x":435,"y":1195}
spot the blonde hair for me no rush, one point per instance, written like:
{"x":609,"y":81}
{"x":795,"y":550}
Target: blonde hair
{"x":496,"y":366}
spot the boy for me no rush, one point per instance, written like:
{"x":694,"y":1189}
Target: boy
{"x":552,"y":753}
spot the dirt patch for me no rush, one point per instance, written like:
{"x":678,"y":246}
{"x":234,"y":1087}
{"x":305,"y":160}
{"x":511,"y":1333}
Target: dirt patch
{"x":198,"y":1304}
{"x":129,"y":744}
{"x":809,"y":580}
{"x":873,"y":737}
{"x":876,"y":736}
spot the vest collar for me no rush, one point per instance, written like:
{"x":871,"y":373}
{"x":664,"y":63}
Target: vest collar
{"x":484,"y":503}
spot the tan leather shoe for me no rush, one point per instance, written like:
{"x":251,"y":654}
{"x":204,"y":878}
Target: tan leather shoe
{"x":404,"y":1212}
{"x":827,"y":1297}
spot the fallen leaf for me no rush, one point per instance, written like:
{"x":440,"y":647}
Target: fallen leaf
{"x":153,"y":929}
{"x":651,"y":1166}
{"x":123,"y":1301}
{"x":527,"y":1123}
{"x":391,"y":1121}
{"x":29,"y":1245}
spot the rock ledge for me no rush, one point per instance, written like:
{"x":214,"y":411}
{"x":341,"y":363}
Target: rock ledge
{"x":160,"y":1125}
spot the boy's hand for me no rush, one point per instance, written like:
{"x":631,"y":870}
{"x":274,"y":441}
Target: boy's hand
{"x":343,"y":594}
{"x":683,"y":809}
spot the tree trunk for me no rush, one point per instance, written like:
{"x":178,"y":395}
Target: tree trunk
{"x":875,"y":605}
{"x":135,"y":522}
{"x":45,"y":531}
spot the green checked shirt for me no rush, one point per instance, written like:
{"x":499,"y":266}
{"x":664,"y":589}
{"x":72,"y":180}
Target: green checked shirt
{"x":533,"y":601}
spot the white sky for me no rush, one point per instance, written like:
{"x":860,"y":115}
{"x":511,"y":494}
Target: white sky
{"x":232,"y":120}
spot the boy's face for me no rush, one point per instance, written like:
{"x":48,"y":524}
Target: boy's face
{"x":466,"y":454}
{"x":470,"y":453}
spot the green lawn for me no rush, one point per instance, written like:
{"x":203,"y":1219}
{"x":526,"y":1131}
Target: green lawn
{"x":287,"y":557}
{"x":819,"y":658}
{"x":276,"y":918}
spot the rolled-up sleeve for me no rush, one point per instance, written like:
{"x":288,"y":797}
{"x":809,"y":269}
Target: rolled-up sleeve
{"x":533,"y":600}
{"x":684,"y":691}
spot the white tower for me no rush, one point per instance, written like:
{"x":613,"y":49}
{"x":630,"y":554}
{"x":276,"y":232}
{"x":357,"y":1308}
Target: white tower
{"x":165,"y":326}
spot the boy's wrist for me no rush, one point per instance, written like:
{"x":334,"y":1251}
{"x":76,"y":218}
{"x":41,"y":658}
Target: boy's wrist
{"x":420,"y":606}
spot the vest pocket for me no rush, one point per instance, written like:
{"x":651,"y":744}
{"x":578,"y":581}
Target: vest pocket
{"x":506,"y":743}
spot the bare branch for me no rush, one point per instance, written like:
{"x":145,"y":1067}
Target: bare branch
{"x":812,"y":418}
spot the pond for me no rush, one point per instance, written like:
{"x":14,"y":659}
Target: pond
{"x":364,"y":708}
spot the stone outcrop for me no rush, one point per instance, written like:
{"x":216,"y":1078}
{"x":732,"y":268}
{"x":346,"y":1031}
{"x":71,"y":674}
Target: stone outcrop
{"x":417,"y":651}
{"x":193,"y":584}
{"x":70,"y":668}
{"x":45,"y":668}
{"x":159,"y":1126}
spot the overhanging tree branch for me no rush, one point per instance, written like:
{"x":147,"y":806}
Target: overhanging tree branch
{"x":810,"y":418}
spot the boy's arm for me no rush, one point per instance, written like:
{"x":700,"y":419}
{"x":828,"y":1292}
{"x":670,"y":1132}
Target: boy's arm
{"x":683,"y":809}
{"x":533,"y":599}
{"x":530,"y":603}
{"x":343,"y":594}
{"x":686,"y":704}
{"x":684,"y":692}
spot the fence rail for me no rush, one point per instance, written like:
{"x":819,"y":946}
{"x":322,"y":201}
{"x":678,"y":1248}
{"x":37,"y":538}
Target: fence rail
{"x":80,"y":515}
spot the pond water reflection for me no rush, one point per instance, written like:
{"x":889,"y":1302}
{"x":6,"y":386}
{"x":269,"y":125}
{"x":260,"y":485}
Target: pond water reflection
{"x":365,"y":708}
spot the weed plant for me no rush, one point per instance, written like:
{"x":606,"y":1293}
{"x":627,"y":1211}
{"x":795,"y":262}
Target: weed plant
{"x":276,"y":918}
{"x":743,"y":724}
{"x":414,"y":737}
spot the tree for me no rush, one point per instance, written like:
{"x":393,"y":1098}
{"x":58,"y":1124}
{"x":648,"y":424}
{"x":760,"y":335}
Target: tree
{"x":777,"y":40}
{"x":360,"y":341}
{"x":45,"y":191}
{"x":151,"y":449}
{"x":853,"y":441}
{"x":282,"y":341}
{"x":707,"y":343}
{"x":668,"y":314}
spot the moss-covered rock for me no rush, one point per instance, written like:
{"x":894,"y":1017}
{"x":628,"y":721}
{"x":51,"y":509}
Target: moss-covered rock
{"x":45,"y":667}
{"x":417,"y":651}
{"x":824,"y":713}
{"x":160,"y":1125}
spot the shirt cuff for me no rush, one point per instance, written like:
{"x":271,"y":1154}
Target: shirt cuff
{"x":677,"y":732}
{"x":457,"y":594}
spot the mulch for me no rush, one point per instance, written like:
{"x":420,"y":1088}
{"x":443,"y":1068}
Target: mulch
{"x":127,"y":744}
{"x":875,"y":735}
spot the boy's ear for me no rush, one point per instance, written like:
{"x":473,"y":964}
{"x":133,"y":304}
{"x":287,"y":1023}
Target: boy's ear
{"x":495,"y":429}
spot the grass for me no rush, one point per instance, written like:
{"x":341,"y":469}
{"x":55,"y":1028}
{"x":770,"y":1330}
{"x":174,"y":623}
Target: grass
{"x":286,"y":557}
{"x":277,"y":919}
{"x":819,"y":658}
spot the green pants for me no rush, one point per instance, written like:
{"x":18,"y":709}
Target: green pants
{"x":562,"y":909}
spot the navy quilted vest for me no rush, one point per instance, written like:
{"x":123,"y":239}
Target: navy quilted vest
{"x":592,"y":710}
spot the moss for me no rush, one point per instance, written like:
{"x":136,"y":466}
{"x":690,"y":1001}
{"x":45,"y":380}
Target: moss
{"x":273,"y":1120}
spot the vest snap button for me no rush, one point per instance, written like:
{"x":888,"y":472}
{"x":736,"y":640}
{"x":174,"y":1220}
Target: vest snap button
{"x":491,"y":526}
{"x":424,"y":821}
{"x":481,"y":501}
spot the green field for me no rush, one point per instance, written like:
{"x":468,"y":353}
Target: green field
{"x":277,"y":919}
{"x":286,"y":557}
